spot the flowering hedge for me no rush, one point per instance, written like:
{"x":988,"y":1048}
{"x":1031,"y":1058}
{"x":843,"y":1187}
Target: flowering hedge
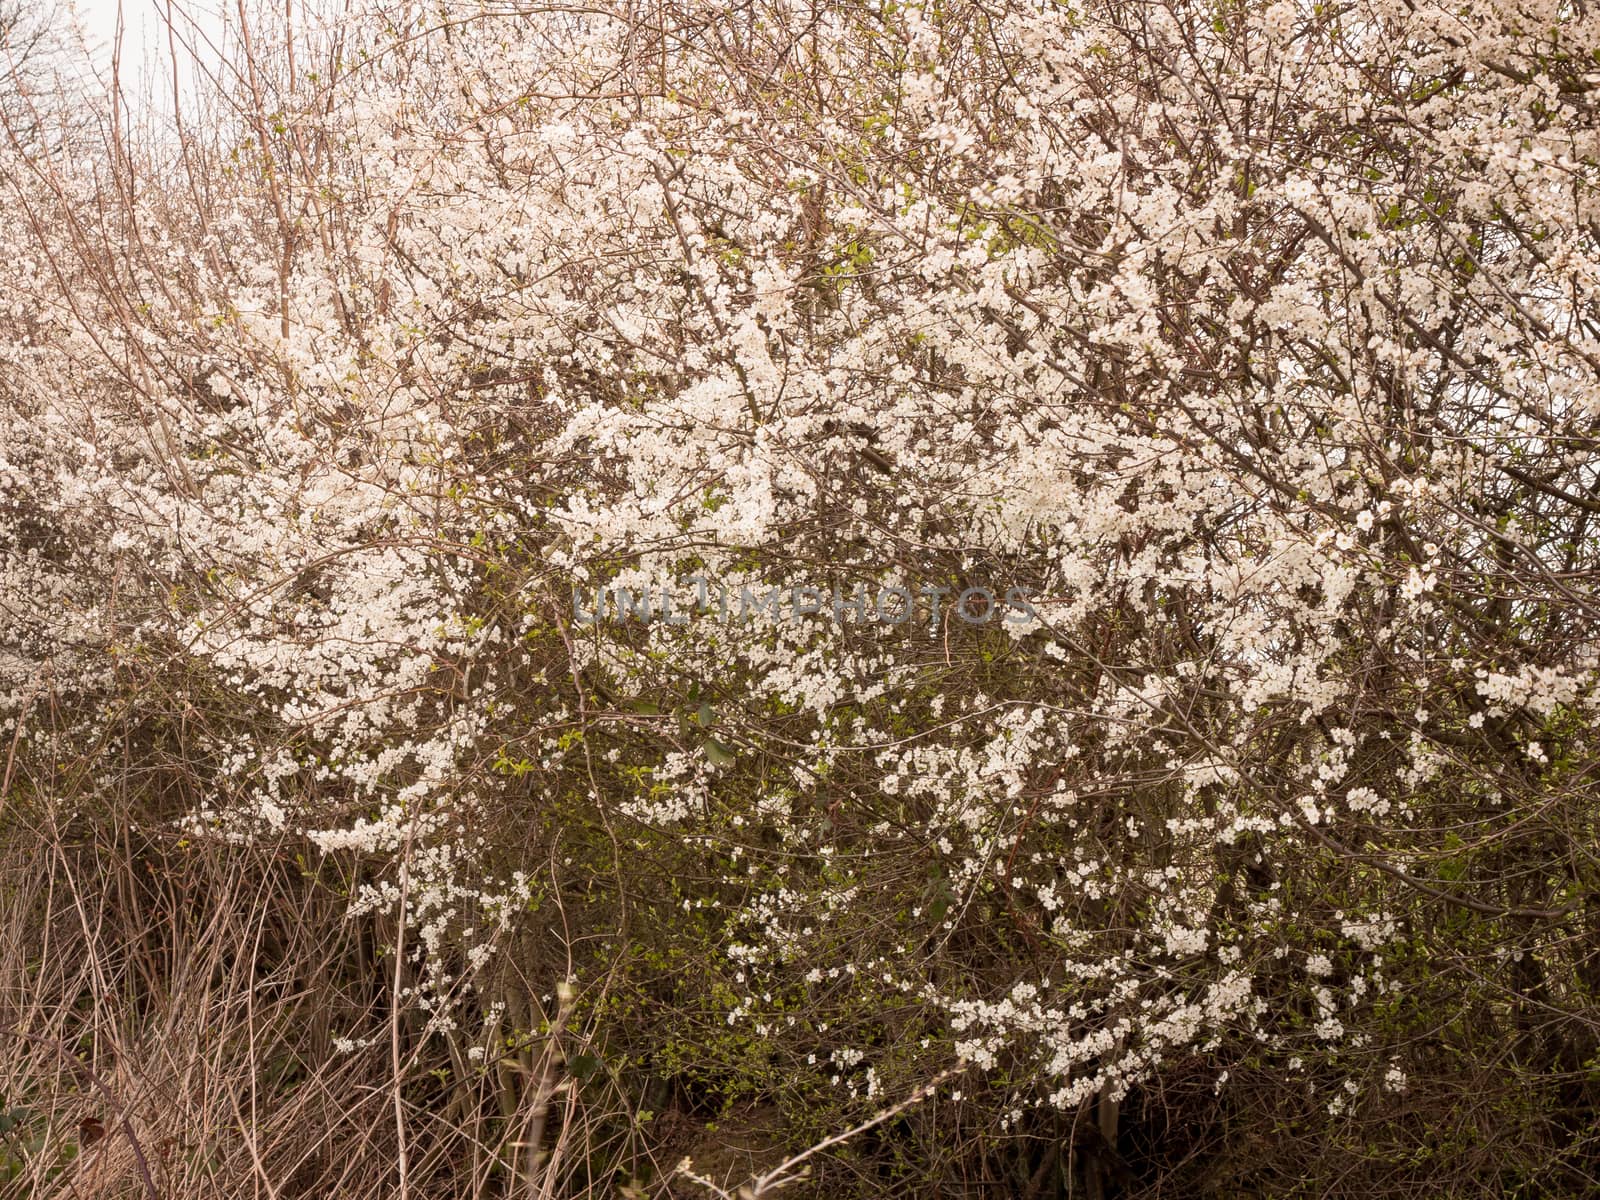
{"x":1255,"y":346}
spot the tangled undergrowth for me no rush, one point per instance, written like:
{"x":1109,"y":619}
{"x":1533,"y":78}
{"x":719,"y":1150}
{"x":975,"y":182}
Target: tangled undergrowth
{"x":856,"y":599}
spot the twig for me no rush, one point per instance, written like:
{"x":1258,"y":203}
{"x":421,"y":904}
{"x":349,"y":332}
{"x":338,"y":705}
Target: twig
{"x":89,"y":1073}
{"x":777,"y":1177}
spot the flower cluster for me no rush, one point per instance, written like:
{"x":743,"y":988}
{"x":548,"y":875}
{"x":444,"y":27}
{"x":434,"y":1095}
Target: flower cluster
{"x":1279,"y":413}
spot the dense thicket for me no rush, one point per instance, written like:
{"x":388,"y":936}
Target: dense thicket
{"x":351,"y":852}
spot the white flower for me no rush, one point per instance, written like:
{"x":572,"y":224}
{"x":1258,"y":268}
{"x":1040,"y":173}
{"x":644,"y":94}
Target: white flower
{"x":1278,"y":21}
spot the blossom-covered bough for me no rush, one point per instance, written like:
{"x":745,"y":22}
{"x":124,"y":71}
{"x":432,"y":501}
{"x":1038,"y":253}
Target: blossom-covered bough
{"x":1256,"y":345}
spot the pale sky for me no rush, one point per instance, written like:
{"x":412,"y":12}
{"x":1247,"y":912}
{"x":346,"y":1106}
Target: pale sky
{"x":145,"y":60}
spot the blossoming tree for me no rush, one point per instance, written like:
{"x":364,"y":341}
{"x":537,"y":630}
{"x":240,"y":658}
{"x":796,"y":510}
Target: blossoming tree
{"x":1256,"y":347}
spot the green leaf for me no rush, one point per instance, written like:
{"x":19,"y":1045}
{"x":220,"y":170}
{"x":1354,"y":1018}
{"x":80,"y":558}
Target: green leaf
{"x":720,"y":755}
